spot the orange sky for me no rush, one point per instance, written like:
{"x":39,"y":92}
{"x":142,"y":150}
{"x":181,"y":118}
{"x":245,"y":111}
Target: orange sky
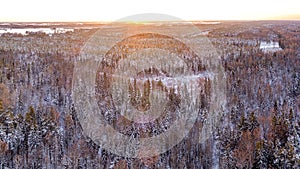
{"x":111,"y":10}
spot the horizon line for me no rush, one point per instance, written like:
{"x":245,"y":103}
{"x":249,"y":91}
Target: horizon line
{"x":153,"y":21}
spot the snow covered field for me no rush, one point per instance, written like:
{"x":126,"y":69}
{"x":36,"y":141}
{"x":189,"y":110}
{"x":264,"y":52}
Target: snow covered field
{"x":269,"y":46}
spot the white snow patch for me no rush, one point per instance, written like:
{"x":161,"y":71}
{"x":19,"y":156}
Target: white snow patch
{"x":269,"y":46}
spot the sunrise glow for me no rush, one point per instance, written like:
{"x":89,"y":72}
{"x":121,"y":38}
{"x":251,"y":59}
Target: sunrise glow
{"x":94,"y":10}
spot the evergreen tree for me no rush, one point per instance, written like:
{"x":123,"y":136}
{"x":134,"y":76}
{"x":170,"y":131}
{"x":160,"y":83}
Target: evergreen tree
{"x":263,"y":155}
{"x":243,"y":124}
{"x":30,"y":118}
{"x":1,"y":106}
{"x":253,"y":123}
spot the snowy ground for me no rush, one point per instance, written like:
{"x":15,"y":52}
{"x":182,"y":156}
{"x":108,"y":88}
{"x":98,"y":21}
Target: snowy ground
{"x":270,"y":46}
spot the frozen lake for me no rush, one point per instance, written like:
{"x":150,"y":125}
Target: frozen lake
{"x":26,"y":31}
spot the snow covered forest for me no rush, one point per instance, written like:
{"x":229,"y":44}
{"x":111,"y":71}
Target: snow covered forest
{"x":259,"y":127}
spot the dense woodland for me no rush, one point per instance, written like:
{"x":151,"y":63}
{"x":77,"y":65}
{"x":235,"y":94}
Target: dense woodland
{"x":260,"y":127}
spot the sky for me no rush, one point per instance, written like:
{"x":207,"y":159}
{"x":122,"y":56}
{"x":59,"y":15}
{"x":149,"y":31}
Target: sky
{"x":112,"y":10}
